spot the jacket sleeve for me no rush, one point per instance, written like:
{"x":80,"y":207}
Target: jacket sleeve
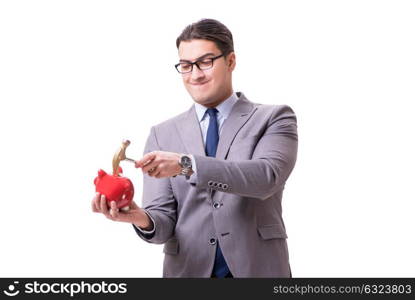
{"x":272,"y":161}
{"x":158,"y":201}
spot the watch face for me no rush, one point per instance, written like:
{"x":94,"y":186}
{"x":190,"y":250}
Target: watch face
{"x":186,"y":161}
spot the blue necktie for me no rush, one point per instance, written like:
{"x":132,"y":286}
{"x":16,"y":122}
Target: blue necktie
{"x":220,"y":269}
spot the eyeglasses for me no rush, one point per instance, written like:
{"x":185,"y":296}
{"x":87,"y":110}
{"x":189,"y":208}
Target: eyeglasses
{"x":203,"y":64}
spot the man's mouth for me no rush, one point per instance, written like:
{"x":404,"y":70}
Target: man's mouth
{"x":199,"y":83}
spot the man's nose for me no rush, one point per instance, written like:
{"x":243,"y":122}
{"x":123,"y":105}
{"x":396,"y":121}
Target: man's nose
{"x":197,"y":73}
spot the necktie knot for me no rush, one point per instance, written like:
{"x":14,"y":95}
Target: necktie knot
{"x":212,"y":112}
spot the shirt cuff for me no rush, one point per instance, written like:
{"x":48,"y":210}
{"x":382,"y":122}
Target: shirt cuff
{"x":193,"y":178}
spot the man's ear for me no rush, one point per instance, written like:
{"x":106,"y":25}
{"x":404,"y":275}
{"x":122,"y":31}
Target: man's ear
{"x":231,"y":61}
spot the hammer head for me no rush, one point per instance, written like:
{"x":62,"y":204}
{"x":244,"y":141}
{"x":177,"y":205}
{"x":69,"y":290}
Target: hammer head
{"x":119,"y":156}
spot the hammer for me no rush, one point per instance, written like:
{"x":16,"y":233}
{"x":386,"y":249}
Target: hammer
{"x":119,"y":156}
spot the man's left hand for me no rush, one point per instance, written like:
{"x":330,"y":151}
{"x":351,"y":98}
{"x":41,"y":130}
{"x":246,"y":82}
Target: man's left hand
{"x":160,"y":164}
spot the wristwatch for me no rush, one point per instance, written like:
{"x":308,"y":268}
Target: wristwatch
{"x":185,"y":162}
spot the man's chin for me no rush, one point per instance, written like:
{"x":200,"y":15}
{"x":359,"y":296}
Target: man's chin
{"x":201,"y":99}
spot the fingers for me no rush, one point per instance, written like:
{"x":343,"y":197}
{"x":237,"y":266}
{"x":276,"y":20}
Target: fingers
{"x":103,"y":206}
{"x":93,"y":207}
{"x":156,"y":173}
{"x":149,"y":168}
{"x":100,"y":205}
{"x":160,"y":164}
{"x":95,"y":203}
{"x":114,"y":211}
{"x":146,"y":159}
{"x":111,"y":213}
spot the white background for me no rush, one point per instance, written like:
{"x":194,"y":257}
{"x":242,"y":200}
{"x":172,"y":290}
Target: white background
{"x":77,"y":77}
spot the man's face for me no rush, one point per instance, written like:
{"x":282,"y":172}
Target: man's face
{"x":212,"y":86}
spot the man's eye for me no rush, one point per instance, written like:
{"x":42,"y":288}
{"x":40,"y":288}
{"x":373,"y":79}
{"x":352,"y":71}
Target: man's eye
{"x":185,"y":67}
{"x":205,"y":63}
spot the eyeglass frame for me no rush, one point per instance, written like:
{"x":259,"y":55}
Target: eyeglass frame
{"x":196,"y":63}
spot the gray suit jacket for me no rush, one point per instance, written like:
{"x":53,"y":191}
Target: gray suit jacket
{"x":235,"y":199}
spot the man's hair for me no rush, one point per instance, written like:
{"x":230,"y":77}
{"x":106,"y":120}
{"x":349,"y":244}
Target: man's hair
{"x":208,"y":29}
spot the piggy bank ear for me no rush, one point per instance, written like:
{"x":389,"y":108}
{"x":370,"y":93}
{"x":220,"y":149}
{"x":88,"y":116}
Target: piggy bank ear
{"x":101,"y":173}
{"x":120,"y":170}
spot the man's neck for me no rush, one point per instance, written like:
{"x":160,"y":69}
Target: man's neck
{"x":216,"y":103}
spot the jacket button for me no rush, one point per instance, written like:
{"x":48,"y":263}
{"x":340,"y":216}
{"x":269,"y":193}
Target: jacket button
{"x":216,"y":205}
{"x":212,"y":241}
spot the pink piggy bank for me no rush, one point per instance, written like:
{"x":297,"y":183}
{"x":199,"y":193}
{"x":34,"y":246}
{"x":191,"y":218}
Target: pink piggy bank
{"x":115,"y":188}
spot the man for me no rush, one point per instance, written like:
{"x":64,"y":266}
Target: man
{"x":214,"y":175}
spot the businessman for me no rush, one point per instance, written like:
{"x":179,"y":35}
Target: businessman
{"x":214,"y":175}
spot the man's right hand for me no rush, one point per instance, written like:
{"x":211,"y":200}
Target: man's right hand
{"x":135,"y":215}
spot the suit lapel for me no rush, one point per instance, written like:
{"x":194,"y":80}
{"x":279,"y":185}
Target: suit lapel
{"x":190,"y":132}
{"x":240,"y":114}
{"x":191,"y":135}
